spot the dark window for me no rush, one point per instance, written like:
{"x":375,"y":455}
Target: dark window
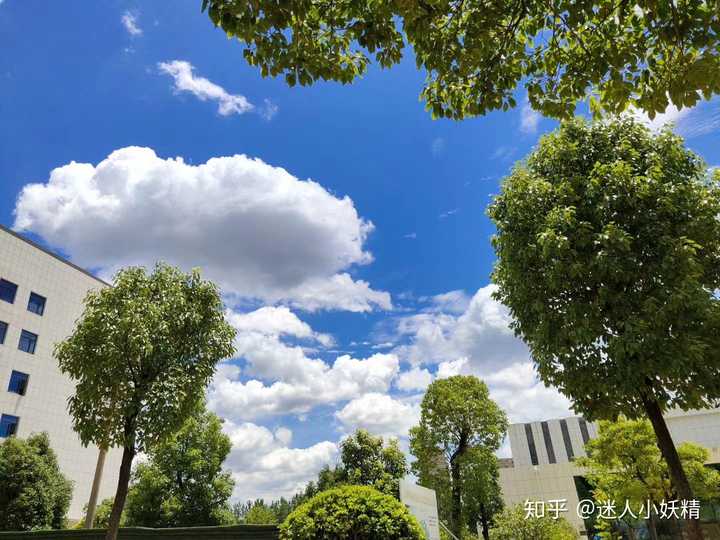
{"x":531,"y":444}
{"x":3,"y":331}
{"x":548,"y":442}
{"x":584,"y":430}
{"x":18,"y":382}
{"x":8,"y":425}
{"x":36,"y":304}
{"x":566,"y":440}
{"x":7,"y":291}
{"x":28,"y":341}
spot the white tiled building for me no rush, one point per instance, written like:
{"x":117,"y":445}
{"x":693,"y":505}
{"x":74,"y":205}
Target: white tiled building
{"x":41,"y":297}
{"x":542,"y":468}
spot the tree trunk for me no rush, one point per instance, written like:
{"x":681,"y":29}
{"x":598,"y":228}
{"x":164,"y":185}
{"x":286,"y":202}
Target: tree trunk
{"x":677,"y":474}
{"x":121,"y":493}
{"x":456,"y":511}
{"x":651,"y":528}
{"x":485,"y":523}
{"x":92,"y":503}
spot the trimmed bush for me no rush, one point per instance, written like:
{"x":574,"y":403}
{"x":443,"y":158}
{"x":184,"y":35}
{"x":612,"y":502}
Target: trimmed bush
{"x":351,"y":513}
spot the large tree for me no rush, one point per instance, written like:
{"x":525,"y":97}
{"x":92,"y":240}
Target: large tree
{"x":608,"y":246}
{"x":623,"y":463}
{"x":367,"y":460}
{"x":477,"y":52}
{"x":141,"y":355}
{"x":34,"y":494}
{"x":183,"y":483}
{"x":459,"y":425}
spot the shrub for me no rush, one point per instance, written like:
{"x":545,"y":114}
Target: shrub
{"x":34,"y":494}
{"x":511,"y":524}
{"x":351,"y":512}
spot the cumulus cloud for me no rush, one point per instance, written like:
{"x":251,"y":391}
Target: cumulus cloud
{"x":689,"y":122}
{"x":414,"y":379}
{"x":130,"y":22}
{"x":380,"y":414}
{"x":306,"y":383}
{"x":255,"y":229}
{"x":264,"y":466}
{"x":477,"y":341}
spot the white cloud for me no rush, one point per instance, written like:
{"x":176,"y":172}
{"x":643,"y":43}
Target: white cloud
{"x":438,"y":146}
{"x":414,"y":379}
{"x":186,"y":80}
{"x":306,"y":383}
{"x":456,"y":301}
{"x":478,"y":341}
{"x":264,"y":466}
{"x":689,"y":122}
{"x":130,"y":22}
{"x":529,"y":118}
{"x":671,"y":116}
{"x":380,"y":414}
{"x":449,"y":213}
{"x":255,"y":229}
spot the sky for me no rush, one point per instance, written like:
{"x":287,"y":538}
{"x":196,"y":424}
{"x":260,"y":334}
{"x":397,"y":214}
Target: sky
{"x":345,"y":227}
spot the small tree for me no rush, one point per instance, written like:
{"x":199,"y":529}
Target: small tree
{"x":256,"y":513}
{"x":351,"y":513}
{"x":513,"y":524}
{"x":102,"y":515}
{"x":458,"y":423}
{"x":183,"y":483}
{"x":624,"y":464}
{"x":142,"y":355}
{"x":367,"y":460}
{"x":34,"y":494}
{"x":608,"y":246}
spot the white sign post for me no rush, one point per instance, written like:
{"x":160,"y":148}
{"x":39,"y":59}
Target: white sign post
{"x":423,"y":505}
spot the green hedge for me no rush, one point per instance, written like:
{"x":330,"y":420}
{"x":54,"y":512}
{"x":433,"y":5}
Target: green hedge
{"x":235,"y":532}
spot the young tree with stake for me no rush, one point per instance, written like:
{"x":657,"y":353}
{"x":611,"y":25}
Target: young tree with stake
{"x":608,"y":246}
{"x":142,"y":355}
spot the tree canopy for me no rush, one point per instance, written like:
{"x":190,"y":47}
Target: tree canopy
{"x":34,"y":494}
{"x":367,"y":460}
{"x":351,"y":513}
{"x":608,"y":257}
{"x":183,"y":483}
{"x":141,"y":356}
{"x":460,"y":429}
{"x":476,"y":53}
{"x":624,"y":463}
{"x":512,"y":524}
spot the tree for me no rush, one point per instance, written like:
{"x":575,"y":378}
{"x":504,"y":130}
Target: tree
{"x":476,"y":53}
{"x":351,"y":513}
{"x":624,"y":464}
{"x":608,"y":248}
{"x":102,"y":515}
{"x":481,"y":484}
{"x":255,"y":513}
{"x":142,"y":355}
{"x":183,"y":483}
{"x":34,"y":494}
{"x":367,"y":461}
{"x":459,"y":423}
{"x":512,"y":524}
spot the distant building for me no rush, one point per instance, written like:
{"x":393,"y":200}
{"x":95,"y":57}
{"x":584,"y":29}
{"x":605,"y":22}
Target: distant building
{"x":41,"y":297}
{"x":543,"y":453}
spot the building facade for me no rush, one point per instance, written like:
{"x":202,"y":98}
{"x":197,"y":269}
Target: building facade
{"x":41,"y":297}
{"x":542,"y":467}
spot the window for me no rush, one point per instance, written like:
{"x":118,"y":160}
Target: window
{"x":3,"y":331}
{"x":531,"y":444}
{"x":18,"y":382}
{"x":584,"y":431}
{"x":567,"y":440}
{"x":548,"y":442}
{"x":36,"y":304}
{"x":7,"y":291}
{"x":28,"y":341}
{"x":8,"y":425}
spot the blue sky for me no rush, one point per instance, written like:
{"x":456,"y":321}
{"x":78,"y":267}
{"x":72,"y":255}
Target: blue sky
{"x":314,"y":289}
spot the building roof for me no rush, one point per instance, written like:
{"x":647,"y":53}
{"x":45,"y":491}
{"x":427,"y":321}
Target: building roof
{"x":52,"y":254}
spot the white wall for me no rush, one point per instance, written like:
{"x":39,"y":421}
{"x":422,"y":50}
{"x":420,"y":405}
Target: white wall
{"x":44,"y":406}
